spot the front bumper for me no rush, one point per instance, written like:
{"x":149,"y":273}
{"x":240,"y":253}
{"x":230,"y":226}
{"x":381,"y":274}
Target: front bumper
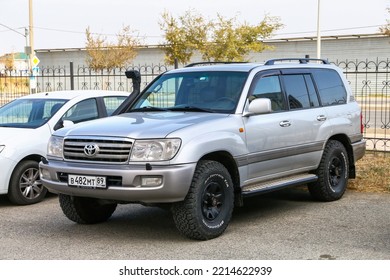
{"x":7,"y":167}
{"x":176,"y":180}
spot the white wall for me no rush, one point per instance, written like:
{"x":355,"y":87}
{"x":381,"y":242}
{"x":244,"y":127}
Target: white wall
{"x":342,"y":48}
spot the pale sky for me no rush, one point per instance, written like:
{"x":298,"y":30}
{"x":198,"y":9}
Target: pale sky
{"x":62,"y":23}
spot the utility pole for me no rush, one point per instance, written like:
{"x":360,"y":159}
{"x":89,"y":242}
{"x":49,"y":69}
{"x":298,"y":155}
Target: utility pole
{"x":33,"y":81}
{"x":318,"y":31}
{"x":31,"y":33}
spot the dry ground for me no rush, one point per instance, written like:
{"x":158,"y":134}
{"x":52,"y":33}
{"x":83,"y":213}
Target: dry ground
{"x":373,"y":173}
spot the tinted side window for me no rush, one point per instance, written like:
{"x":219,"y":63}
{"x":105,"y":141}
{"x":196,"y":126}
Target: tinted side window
{"x":269,"y":87}
{"x":296,"y":90}
{"x":314,"y":102}
{"x":300,"y":91}
{"x":330,"y":87}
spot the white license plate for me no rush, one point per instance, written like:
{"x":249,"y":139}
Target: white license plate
{"x":86,"y":181}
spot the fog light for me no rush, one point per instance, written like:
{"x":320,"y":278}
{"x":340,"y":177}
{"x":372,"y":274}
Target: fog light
{"x":151,"y":181}
{"x":44,"y":173}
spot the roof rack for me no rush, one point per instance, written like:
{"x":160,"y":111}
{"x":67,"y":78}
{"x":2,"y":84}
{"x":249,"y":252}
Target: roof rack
{"x":213,"y":62}
{"x":301,"y":60}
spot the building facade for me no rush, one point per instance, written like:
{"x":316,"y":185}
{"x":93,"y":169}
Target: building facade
{"x":334,"y":48}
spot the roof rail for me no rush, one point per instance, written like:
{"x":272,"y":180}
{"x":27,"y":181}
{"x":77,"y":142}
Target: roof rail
{"x":213,"y":62}
{"x":301,"y":60}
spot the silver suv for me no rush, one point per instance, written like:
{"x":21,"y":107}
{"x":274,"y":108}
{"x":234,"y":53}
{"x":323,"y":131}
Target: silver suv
{"x":201,"y":138}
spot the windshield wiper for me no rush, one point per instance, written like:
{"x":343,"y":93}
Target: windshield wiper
{"x":190,"y":109}
{"x":147,"y":109}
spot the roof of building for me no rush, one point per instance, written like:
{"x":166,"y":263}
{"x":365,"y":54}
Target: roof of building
{"x":327,"y":37}
{"x":275,"y":39}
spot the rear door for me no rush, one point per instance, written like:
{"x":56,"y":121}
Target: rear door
{"x":288,"y":139}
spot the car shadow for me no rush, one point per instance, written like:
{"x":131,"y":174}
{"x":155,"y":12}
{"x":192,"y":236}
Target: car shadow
{"x":137,"y":222}
{"x":268,"y":204}
{"x":5,"y":202}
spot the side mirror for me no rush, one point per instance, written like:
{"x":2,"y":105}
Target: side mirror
{"x":259,"y":106}
{"x":67,"y":123}
{"x":63,"y":123}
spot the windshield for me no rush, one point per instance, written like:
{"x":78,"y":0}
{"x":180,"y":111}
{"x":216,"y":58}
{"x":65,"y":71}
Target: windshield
{"x":29,"y":113}
{"x":208,"y":91}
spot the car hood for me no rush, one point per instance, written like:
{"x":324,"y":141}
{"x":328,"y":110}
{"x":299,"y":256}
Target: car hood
{"x":140,"y":125}
{"x":21,"y":142}
{"x":10,"y":134}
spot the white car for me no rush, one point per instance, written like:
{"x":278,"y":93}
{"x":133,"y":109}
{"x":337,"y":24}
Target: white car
{"x":25,"y":128}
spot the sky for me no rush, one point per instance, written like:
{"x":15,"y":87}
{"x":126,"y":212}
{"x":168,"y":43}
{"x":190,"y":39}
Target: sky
{"x":61,"y":24}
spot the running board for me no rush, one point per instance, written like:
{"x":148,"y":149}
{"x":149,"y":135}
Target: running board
{"x":294,"y":180}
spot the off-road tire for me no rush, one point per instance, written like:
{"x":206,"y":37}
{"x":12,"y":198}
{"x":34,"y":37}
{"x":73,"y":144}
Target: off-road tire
{"x":84,"y":210}
{"x":25,"y":186}
{"x":333,"y":173}
{"x":207,"y":209}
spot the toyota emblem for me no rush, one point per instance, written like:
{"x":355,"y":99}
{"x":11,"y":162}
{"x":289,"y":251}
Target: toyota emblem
{"x":91,"y":150}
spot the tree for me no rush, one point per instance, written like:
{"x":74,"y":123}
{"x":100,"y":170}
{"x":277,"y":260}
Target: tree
{"x":385,"y":29}
{"x":107,"y":55}
{"x":219,"y":40}
{"x":233,"y":42}
{"x":9,"y":62}
{"x":184,"y":35}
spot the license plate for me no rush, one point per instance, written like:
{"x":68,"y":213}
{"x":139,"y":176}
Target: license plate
{"x":86,"y":181}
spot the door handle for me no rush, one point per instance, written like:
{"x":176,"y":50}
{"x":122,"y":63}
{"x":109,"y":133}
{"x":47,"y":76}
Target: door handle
{"x":321,"y":118}
{"x":285,"y":123}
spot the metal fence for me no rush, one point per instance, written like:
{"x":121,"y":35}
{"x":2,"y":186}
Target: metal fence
{"x":369,"y":80}
{"x":14,"y":84}
{"x":370,"y":83}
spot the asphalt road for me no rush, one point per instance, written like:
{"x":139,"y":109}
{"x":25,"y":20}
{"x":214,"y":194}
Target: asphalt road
{"x":285,"y":225}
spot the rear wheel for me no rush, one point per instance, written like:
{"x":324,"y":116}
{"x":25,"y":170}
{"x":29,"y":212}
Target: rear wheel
{"x":207,"y":209}
{"x":25,"y":186}
{"x":85,"y":210}
{"x":333,"y":173}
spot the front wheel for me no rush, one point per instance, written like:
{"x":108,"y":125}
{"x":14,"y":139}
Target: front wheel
{"x":85,"y":210}
{"x":25,"y":186}
{"x":333,"y":173}
{"x":207,"y":209}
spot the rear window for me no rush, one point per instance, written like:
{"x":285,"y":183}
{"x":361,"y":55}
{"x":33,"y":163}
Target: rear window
{"x":330,"y":87}
{"x":112,"y":103}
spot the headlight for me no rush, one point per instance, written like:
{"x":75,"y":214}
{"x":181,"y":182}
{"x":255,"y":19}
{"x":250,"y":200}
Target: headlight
{"x":1,"y":148}
{"x":154,"y":150}
{"x":55,"y":147}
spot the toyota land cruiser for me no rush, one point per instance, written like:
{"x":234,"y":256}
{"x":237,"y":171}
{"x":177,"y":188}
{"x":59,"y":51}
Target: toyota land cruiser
{"x":201,"y":138}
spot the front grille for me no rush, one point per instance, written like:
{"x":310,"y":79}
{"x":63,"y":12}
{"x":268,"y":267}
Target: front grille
{"x":105,"y":150}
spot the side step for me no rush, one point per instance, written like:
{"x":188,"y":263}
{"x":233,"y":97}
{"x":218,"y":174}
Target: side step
{"x":294,"y":180}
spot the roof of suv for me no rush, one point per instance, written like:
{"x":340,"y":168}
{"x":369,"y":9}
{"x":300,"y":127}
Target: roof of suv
{"x":247,"y":67}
